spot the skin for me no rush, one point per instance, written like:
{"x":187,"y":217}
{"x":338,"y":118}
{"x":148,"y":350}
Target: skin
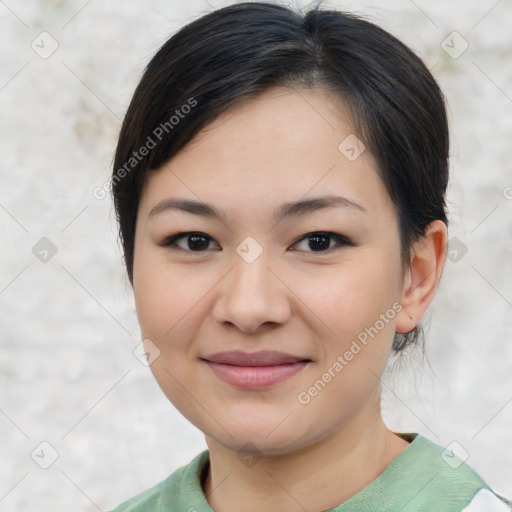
{"x":281,"y":146}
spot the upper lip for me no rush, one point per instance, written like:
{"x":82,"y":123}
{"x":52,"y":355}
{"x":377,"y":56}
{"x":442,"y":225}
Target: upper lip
{"x":262,"y":358}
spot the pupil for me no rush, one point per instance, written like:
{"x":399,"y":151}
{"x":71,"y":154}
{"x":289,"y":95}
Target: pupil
{"x":194,"y":245}
{"x":324,"y":245}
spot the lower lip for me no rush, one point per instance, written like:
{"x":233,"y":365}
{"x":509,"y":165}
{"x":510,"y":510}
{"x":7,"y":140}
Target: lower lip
{"x":255,"y":377}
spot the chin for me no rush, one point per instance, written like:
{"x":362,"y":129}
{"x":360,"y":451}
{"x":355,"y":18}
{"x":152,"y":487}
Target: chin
{"x":258,"y":439}
{"x":256,"y":447}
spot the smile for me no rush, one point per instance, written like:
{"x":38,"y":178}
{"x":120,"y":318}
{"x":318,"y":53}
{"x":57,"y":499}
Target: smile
{"x":257,"y":370}
{"x":255,"y":377}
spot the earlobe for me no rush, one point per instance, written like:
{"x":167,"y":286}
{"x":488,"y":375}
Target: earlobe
{"x":428,"y":255}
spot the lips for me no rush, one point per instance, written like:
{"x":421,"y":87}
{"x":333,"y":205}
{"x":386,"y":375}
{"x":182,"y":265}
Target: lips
{"x":257,"y":370}
{"x":262,"y":358}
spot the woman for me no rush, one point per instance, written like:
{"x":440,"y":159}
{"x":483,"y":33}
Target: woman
{"x":279,"y":183}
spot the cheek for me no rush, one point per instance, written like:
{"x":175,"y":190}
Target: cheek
{"x":161,"y":304}
{"x":155,"y":294}
{"x":350,"y":302}
{"x":357,"y":341}
{"x":352,"y":296}
{"x":169,"y":300}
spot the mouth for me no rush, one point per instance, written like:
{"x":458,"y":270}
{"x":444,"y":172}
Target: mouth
{"x":255,"y":370}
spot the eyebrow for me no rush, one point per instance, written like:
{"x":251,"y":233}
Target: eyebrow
{"x":295,"y":208}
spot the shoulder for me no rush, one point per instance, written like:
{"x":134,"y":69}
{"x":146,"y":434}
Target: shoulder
{"x":448,"y":483}
{"x":425,"y":476}
{"x":146,"y":501}
{"x":446,"y":480}
{"x":181,"y":487}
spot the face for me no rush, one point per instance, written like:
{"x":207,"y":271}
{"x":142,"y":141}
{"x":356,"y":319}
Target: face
{"x":318,"y":282}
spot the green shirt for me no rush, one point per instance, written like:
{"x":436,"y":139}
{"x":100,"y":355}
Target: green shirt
{"x":424,"y":477}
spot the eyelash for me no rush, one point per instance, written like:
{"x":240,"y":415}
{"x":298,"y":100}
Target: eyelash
{"x":170,"y":242}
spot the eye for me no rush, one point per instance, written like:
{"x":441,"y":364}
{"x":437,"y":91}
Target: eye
{"x":194,"y":241}
{"x":320,"y":241}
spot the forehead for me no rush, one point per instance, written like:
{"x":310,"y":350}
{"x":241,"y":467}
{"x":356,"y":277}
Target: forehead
{"x":298,"y":117}
{"x":281,"y":145}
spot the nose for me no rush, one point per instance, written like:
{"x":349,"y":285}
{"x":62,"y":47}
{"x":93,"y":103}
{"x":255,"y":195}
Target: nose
{"x":252,"y":297}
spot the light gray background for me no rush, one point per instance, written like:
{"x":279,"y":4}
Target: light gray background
{"x":68,"y":325}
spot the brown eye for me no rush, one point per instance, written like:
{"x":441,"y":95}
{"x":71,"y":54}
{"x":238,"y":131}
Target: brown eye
{"x":320,"y":241}
{"x":193,"y":241}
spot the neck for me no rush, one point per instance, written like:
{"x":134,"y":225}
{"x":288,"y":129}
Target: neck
{"x":317,"y":477}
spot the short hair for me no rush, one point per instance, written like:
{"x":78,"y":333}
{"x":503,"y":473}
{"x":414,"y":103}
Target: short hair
{"x":239,"y":51}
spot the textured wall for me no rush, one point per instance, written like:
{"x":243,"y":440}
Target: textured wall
{"x":68,"y":326}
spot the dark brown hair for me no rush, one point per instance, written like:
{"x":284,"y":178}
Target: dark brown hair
{"x":238,"y":51}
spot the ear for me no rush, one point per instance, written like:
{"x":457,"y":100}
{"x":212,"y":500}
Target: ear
{"x":428,"y":255}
